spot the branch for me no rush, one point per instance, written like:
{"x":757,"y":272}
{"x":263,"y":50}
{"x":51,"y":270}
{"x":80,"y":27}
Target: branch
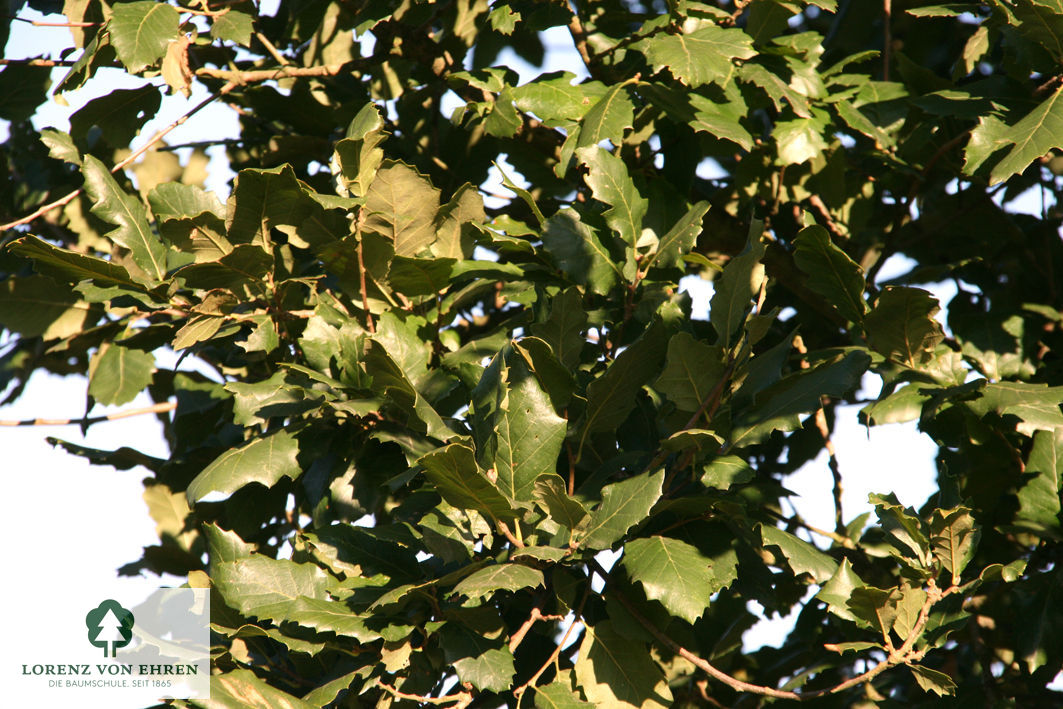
{"x":579,"y":37}
{"x":132,"y":156}
{"x":462,"y":699}
{"x":536,"y":615}
{"x":38,"y":62}
{"x":88,"y":420}
{"x":519,"y":691}
{"x":902,"y":655}
{"x":256,"y":75}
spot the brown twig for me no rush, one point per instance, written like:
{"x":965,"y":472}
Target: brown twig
{"x":361,"y":274}
{"x":38,"y":62}
{"x":38,"y":23}
{"x":579,"y":37}
{"x":535,"y":616}
{"x":887,"y":38}
{"x":504,"y":529}
{"x":901,"y":655}
{"x":577,"y":620}
{"x":273,"y":52}
{"x":461,"y":699}
{"x":153,"y":409}
{"x":253,"y":76}
{"x":132,"y":157}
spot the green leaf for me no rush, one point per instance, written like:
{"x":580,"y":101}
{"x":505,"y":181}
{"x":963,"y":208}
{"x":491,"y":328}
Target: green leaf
{"x":359,"y":154}
{"x":876,"y":607}
{"x":954,"y":536}
{"x":803,"y":557}
{"x":233,"y":26}
{"x":614,"y":671}
{"x":933,"y":681}
{"x":740,"y":281}
{"x":779,"y":405}
{"x":267,"y":588}
{"x":262,"y":200}
{"x":141,"y":31}
{"x":725,"y":471}
{"x":1039,"y":500}
{"x":611,"y":396}
{"x":490,"y":672}
{"x":839,"y":588}
{"x":34,"y":305}
{"x":556,"y":100}
{"x":610,"y":183}
{"x":117,"y":374}
{"x":127,"y":214}
{"x":672,"y":572}
{"x":800,"y":140}
{"x":401,"y":206}
{"x":255,"y":402}
{"x":776,"y":88}
{"x":563,"y":330}
{"x":831,"y":272}
{"x":117,"y":117}
{"x":1042,"y":22}
{"x":1035,"y":405}
{"x":704,"y":56}
{"x":528,"y":434}
{"x":691,"y":370}
{"x":71,"y":267}
{"x":579,"y":253}
{"x":902,"y":327}
{"x":243,"y":689}
{"x":608,"y":118}
{"x":503,"y":19}
{"x":624,"y":504}
{"x":1035,"y":135}
{"x":557,"y":695}
{"x":264,"y":460}
{"x":903,"y":525}
{"x":327,"y":616}
{"x":500,"y":577}
{"x":550,"y":492}
{"x":454,"y":473}
{"x":679,"y":239}
{"x":199,"y":328}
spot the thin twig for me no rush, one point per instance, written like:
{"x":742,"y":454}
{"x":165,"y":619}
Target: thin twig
{"x":577,"y":620}
{"x":535,"y":616}
{"x":38,"y":62}
{"x":369,"y":324}
{"x":899,"y":656}
{"x":887,"y":38}
{"x":273,"y":52}
{"x":256,"y":75}
{"x":579,"y":37}
{"x":462,"y":699}
{"x":38,"y":23}
{"x":132,"y":157}
{"x":153,"y":409}
{"x":504,"y":529}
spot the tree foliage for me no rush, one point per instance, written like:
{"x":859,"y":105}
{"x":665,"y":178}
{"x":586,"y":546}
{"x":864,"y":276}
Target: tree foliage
{"x":449,"y":363}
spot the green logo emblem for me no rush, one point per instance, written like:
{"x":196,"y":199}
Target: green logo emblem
{"x":111,"y":625}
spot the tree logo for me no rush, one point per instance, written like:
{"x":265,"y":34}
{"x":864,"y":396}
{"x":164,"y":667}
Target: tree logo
{"x":111,"y":625}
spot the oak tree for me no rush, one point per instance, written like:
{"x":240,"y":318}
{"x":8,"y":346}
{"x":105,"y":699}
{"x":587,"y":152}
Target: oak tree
{"x":448,"y":363}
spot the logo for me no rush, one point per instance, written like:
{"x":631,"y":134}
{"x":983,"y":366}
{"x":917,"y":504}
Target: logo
{"x":110,"y":625}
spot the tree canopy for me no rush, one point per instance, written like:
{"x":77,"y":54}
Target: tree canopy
{"x":447,"y":364}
